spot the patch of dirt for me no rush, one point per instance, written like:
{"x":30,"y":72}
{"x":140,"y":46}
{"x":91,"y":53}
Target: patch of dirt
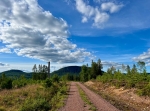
{"x":89,"y":83}
{"x":127,"y":96}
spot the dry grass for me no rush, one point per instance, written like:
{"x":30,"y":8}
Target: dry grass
{"x":10,"y":100}
{"x":122,"y":95}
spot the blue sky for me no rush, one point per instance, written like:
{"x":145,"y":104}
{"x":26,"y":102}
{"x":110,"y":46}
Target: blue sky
{"x":73,"y":32}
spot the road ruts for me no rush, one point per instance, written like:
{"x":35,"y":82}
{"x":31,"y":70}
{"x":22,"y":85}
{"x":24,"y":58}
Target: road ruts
{"x":100,"y":103}
{"x":74,"y":101}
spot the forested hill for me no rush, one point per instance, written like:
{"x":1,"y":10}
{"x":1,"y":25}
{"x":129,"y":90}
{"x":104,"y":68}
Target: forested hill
{"x":16,"y":73}
{"x":73,"y":70}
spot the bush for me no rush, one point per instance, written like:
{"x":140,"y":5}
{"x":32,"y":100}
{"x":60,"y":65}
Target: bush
{"x":63,"y":90}
{"x":145,"y":91}
{"x":47,"y":83}
{"x":55,"y":78}
{"x":6,"y":84}
{"x":19,"y":83}
{"x":39,"y":104}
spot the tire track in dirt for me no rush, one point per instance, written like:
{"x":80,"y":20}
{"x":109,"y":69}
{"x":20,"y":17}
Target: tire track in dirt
{"x":100,"y":103}
{"x":74,"y":101}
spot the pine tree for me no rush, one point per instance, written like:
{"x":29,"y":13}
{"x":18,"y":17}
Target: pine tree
{"x":141,"y":66}
{"x":128,"y":70}
{"x":134,"y":69}
{"x":99,"y":67}
{"x":34,"y":69}
{"x":94,"y":70}
{"x":84,"y":73}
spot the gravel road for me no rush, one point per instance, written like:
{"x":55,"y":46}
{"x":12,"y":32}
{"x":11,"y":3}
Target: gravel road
{"x":75,"y":103}
{"x":100,"y":103}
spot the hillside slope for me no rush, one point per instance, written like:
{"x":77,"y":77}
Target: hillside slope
{"x":16,"y":73}
{"x":73,"y":70}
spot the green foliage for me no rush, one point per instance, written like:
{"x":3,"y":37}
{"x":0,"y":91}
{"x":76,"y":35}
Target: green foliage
{"x":134,"y":70}
{"x":55,"y":78}
{"x":65,"y":77}
{"x":144,"y":91}
{"x":92,"y":72}
{"x":40,"y":73}
{"x":20,"y":82}
{"x":105,"y":78}
{"x":16,"y":73}
{"x":71,"y":70}
{"x":70,"y":77}
{"x":128,"y":70}
{"x":47,"y":83}
{"x":132,"y":79}
{"x":5,"y":83}
{"x":39,"y":76}
{"x":84,"y":73}
{"x":141,"y":66}
{"x":39,"y":104}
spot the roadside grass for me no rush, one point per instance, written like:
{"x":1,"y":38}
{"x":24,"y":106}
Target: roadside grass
{"x":34,"y":97}
{"x":86,"y":99}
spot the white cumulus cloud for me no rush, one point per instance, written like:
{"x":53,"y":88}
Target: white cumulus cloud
{"x":5,"y":50}
{"x":145,"y":57}
{"x":111,"y":7}
{"x":110,"y":64}
{"x":99,"y":15}
{"x":30,"y":31}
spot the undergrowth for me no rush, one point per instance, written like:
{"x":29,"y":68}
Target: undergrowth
{"x":43,"y":95}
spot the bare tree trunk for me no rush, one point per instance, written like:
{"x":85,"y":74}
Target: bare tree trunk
{"x":48,"y":69}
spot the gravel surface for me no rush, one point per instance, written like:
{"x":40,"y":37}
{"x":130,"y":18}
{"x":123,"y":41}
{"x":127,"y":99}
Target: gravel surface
{"x":100,"y":103}
{"x":74,"y":101}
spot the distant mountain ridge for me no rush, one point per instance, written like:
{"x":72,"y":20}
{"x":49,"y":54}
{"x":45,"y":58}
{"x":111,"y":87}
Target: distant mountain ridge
{"x":73,"y":70}
{"x":16,"y":73}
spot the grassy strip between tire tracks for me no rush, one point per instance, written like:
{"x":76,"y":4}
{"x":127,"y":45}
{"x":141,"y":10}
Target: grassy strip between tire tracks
{"x":86,"y":99}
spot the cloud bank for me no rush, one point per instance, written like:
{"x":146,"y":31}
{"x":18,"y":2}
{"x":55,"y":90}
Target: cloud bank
{"x":5,"y":50}
{"x":2,"y":64}
{"x":110,"y":64}
{"x":28,"y":30}
{"x":99,"y":15}
{"x":145,"y":57}
{"x":111,"y":7}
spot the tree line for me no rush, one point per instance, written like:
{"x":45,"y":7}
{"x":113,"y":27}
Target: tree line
{"x":135,"y":77}
{"x":40,"y":72}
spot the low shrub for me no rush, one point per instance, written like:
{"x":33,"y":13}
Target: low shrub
{"x":47,"y":83}
{"x":19,"y":83}
{"x":39,"y":104}
{"x":6,"y":84}
{"x":55,"y":78}
{"x":145,"y":91}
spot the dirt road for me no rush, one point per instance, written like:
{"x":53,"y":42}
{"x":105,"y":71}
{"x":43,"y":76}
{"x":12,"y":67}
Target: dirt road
{"x":75,"y":103}
{"x":100,"y":103}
